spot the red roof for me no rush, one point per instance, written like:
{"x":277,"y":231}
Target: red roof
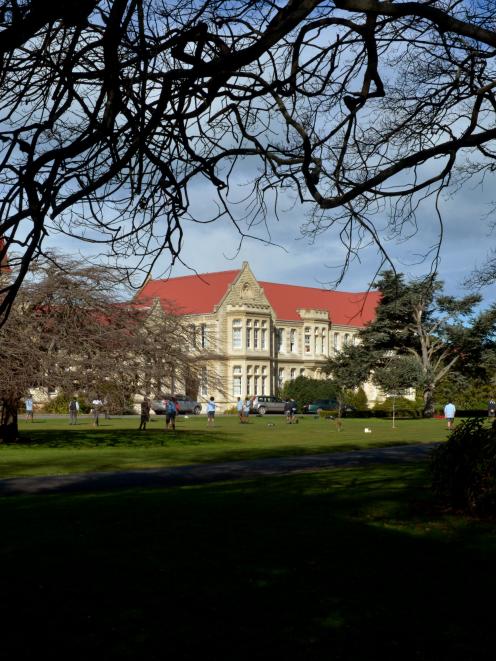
{"x":198,"y":294}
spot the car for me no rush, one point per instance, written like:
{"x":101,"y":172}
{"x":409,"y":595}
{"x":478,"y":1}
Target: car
{"x":186,"y":405}
{"x":326,"y":405}
{"x":269,"y":404}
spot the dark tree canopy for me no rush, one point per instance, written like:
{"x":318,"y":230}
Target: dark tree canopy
{"x":112,"y":110}
{"x":430,"y":335}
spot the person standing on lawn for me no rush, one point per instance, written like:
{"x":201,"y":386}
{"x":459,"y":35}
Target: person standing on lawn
{"x":239,"y":409}
{"x":211,"y":406}
{"x":28,"y":404}
{"x":449,"y":414}
{"x":294,"y":408}
{"x":171,"y":408}
{"x":145,"y":413}
{"x":246,"y":408}
{"x":287,"y":411}
{"x":96,"y":409}
{"x":73,"y":411}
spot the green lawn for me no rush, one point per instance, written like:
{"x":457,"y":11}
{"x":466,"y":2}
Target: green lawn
{"x":340,"y":564}
{"x":51,"y":446}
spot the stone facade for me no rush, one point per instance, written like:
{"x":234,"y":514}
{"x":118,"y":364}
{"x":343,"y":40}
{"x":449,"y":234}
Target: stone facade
{"x":245,"y":348}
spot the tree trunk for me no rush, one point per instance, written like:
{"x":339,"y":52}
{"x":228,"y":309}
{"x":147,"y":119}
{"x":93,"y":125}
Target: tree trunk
{"x":428,"y":411}
{"x":9,"y":430}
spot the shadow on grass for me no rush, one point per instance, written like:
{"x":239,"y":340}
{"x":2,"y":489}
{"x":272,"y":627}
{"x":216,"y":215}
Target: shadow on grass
{"x":100,"y":437}
{"x":328,"y":565}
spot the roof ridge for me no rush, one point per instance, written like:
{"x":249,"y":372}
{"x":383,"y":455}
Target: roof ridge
{"x":330,"y":291}
{"x":194,"y":275}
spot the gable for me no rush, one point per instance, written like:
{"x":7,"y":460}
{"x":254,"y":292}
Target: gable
{"x":245,"y":293}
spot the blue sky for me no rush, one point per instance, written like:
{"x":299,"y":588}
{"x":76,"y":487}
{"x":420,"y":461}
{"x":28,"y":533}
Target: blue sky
{"x":293,"y":259}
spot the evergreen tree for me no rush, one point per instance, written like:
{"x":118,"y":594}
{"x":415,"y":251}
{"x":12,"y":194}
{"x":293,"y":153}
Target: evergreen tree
{"x":438,"y":333}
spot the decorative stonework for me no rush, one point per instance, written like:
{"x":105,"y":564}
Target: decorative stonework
{"x":245,"y":294}
{"x":318,"y":315}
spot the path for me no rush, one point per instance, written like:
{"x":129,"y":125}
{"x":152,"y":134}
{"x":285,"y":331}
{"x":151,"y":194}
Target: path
{"x":206,"y":473}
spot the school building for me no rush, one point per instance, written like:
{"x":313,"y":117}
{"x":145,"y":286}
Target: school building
{"x":249,"y":337}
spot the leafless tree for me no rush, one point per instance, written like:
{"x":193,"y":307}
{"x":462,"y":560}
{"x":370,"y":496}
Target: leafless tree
{"x":112,"y":110}
{"x":68,"y":332}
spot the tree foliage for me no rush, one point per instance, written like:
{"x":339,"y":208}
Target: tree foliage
{"x":348,"y":369}
{"x":464,"y":468}
{"x":419,"y":336}
{"x":112,"y":111}
{"x":304,"y":390}
{"x":67,"y":332}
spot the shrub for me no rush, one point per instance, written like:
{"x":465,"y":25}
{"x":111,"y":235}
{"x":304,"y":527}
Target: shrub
{"x":231,"y":411}
{"x":328,"y":414}
{"x":464,"y":468}
{"x":357,"y":398}
{"x":404,"y":408}
{"x":60,"y":404}
{"x":304,"y":390}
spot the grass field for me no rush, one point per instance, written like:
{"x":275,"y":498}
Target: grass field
{"x":341,"y":564}
{"x":50,"y":446}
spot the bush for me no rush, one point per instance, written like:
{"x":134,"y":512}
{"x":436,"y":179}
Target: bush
{"x":60,"y":404}
{"x":464,"y":468}
{"x":304,"y":390}
{"x":357,"y":398}
{"x":404,"y":408}
{"x":328,"y":414}
{"x":232,"y":411}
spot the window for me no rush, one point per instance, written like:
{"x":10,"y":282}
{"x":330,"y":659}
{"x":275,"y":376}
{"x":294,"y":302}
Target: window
{"x":302,"y":371}
{"x":248,"y":384}
{"x":204,"y":382}
{"x":293,"y":373}
{"x":346,"y":339}
{"x":248,"y":333}
{"x":203,"y":336}
{"x":192,"y":336}
{"x":256,"y":379}
{"x":256,"y":333}
{"x":236,"y":334}
{"x":237,"y":381}
{"x":279,"y":339}
{"x":324,"y":348}
{"x":264,"y":380}
{"x":292,"y":340}
{"x":263,"y":344}
{"x":336,"y":341}
{"x":280,"y":377}
{"x":307,"y":339}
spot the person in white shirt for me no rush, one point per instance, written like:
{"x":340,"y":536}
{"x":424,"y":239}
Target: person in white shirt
{"x":449,"y":414}
{"x":96,"y":409}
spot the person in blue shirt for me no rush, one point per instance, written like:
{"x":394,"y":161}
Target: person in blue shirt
{"x":449,"y":414}
{"x":211,"y":411}
{"x":171,"y":408}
